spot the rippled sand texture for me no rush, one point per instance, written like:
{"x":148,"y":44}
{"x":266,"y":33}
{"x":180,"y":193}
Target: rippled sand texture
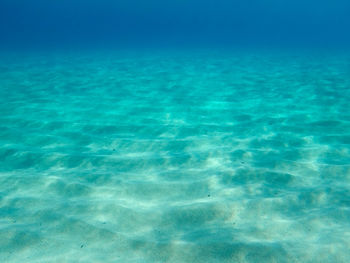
{"x":175,"y":158}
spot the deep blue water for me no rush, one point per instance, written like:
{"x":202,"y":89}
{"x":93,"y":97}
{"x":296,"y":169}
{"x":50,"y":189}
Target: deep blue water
{"x":132,"y":22}
{"x":174,"y":131}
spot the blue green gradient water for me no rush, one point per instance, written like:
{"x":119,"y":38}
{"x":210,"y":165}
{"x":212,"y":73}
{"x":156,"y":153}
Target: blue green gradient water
{"x":175,"y":157}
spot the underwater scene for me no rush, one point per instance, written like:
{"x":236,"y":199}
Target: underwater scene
{"x":171,"y":140}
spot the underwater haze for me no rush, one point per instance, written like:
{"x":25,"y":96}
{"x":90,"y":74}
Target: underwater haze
{"x":179,"y":131}
{"x":137,"y":22}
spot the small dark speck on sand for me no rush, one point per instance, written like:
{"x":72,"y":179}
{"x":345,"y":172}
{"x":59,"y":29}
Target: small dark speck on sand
{"x":242,"y":162}
{"x":113,"y":150}
{"x":104,"y":223}
{"x":81,"y":246}
{"x":208,"y":195}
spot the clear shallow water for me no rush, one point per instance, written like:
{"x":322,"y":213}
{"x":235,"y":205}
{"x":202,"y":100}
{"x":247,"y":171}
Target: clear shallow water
{"x":175,"y":158}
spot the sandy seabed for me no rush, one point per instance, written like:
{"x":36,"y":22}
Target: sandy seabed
{"x":220,"y":157}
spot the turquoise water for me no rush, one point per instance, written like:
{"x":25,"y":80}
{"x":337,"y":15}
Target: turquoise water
{"x":175,"y":157}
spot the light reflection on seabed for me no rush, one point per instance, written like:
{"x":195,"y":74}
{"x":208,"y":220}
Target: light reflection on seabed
{"x":202,"y":158}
